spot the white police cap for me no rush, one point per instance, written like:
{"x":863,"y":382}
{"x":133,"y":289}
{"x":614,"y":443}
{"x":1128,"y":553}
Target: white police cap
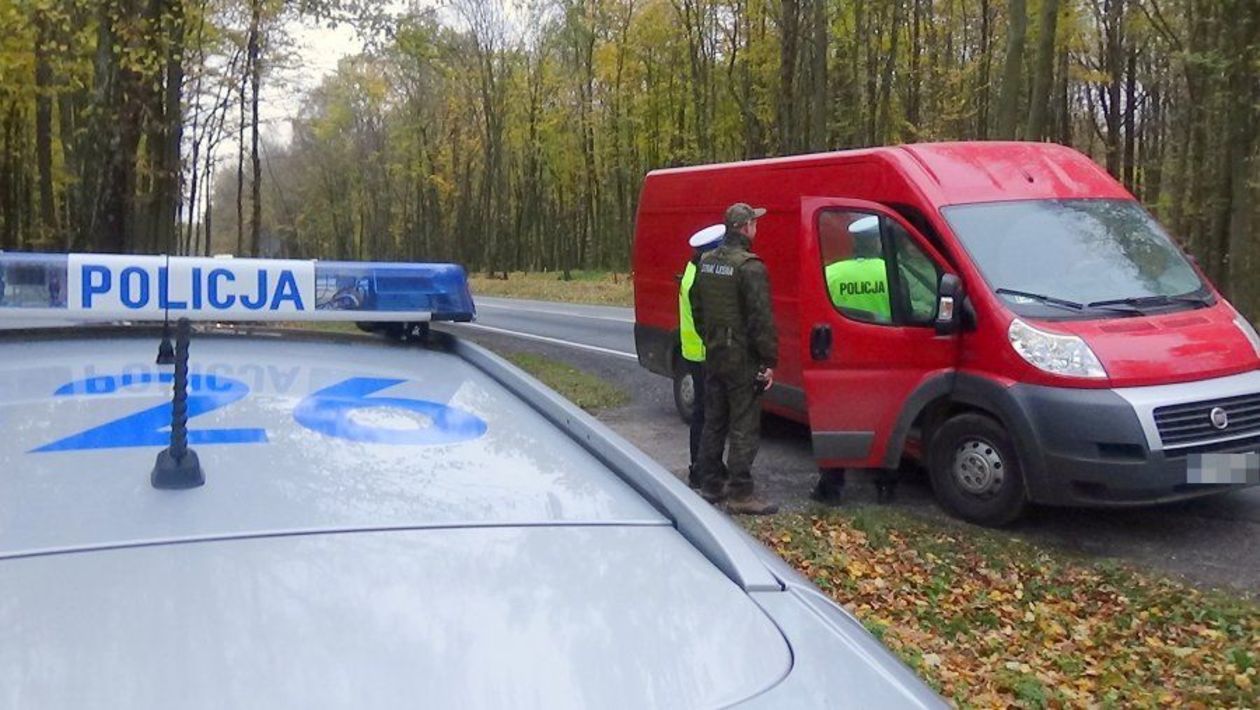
{"x":707,"y":236}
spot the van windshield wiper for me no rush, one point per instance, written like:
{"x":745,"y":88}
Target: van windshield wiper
{"x":1158,"y":300}
{"x":1118,"y":306}
{"x":1051,"y":300}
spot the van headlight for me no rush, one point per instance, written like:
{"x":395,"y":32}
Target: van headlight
{"x":1247,"y":330}
{"x":1054,"y":353}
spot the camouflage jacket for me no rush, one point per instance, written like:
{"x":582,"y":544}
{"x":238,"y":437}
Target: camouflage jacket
{"x":730,"y":303}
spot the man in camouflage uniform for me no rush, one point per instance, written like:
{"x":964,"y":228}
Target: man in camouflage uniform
{"x":730,"y":302}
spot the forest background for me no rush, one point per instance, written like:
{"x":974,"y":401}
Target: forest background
{"x":514,"y":135}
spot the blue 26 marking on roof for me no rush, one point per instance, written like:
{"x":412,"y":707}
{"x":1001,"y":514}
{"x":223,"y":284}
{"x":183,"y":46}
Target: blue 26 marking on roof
{"x":206,"y":393}
{"x":326,"y":411}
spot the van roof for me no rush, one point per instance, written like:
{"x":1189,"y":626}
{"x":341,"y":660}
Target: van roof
{"x":961,"y":172}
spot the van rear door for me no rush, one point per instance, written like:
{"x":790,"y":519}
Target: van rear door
{"x":868,"y":291}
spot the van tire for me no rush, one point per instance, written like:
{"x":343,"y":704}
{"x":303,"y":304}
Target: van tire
{"x":684,"y":392}
{"x":975,"y":470}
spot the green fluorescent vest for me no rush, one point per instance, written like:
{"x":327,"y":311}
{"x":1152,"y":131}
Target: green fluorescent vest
{"x":692,"y":345}
{"x":860,"y":284}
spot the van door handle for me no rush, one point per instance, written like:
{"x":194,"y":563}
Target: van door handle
{"x":820,"y":342}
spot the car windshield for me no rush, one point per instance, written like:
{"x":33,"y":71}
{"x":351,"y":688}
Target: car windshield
{"x":1096,"y":257}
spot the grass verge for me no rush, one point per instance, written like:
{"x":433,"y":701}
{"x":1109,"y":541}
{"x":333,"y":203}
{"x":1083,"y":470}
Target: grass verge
{"x":323,"y":326}
{"x":586,"y":391}
{"x":591,"y":287}
{"x":990,"y":621}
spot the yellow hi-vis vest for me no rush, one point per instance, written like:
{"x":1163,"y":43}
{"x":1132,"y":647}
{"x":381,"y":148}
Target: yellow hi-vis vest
{"x":860,"y":284}
{"x":692,"y":345}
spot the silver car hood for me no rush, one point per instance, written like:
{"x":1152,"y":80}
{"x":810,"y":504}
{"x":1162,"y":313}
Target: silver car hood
{"x":548,"y":616}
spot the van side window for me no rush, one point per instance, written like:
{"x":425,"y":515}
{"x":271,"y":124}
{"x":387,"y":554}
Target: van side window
{"x":874,"y":271}
{"x":917,"y":278}
{"x":854,"y":267}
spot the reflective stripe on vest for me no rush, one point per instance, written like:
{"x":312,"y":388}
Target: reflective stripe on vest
{"x":692,"y":345}
{"x":860,"y":284}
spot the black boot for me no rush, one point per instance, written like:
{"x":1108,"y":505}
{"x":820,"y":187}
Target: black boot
{"x":830,"y":486}
{"x":693,"y":478}
{"x":885,"y":487}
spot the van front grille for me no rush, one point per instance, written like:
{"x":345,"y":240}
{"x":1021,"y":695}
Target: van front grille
{"x":1230,"y":446}
{"x":1191,"y":424}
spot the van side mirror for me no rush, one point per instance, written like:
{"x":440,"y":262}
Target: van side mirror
{"x":949,"y":296}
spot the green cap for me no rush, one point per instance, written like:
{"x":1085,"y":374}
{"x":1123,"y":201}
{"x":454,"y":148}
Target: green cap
{"x":741,"y":213}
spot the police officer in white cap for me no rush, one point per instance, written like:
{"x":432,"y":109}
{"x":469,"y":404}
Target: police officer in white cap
{"x":692,"y":346}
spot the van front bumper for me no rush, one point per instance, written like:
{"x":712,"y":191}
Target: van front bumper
{"x":1103,"y":447}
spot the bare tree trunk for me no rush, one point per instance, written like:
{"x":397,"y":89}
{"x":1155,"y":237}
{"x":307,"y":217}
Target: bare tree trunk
{"x":692,"y":13}
{"x":885,"y":84}
{"x":915,"y":88}
{"x":8,"y":180}
{"x":255,"y":63}
{"x":1113,"y":65}
{"x":789,"y":30}
{"x":168,"y":194}
{"x":1043,"y":74}
{"x":240,"y":162}
{"x":818,"y":113}
{"x":1128,"y":167}
{"x":122,"y":93}
{"x":43,"y":128}
{"x":1243,"y":47}
{"x":1154,"y":147}
{"x":986,"y":69}
{"x":1064,"y":128}
{"x":1008,"y":101}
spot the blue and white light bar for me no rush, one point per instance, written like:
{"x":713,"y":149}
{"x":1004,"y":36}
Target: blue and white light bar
{"x":113,"y":287}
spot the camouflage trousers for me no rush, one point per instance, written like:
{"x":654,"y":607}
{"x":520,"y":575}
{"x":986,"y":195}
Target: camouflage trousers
{"x":732,"y":411}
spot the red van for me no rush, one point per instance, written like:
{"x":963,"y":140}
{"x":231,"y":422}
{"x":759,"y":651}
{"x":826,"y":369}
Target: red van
{"x":1039,"y":337}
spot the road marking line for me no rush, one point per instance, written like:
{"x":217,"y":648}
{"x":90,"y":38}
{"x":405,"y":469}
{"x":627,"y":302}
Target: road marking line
{"x":555,"y":341}
{"x":525,"y":309}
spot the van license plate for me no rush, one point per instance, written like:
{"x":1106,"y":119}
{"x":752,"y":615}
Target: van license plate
{"x":1228,"y":469}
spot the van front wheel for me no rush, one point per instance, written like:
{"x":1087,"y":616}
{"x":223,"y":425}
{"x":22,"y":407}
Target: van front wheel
{"x":975,"y":471}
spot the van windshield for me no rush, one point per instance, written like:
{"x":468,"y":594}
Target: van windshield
{"x":1094,"y":257}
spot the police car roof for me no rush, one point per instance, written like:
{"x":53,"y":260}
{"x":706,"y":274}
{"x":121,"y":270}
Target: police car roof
{"x":321,"y":567}
{"x":77,"y":468}
{"x":380,"y":525}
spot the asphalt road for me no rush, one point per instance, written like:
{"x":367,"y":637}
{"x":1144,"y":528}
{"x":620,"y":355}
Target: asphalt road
{"x":606,"y":330}
{"x":1212,"y":542}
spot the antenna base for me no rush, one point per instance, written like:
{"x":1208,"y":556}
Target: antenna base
{"x":166,"y":352}
{"x":170,"y":473}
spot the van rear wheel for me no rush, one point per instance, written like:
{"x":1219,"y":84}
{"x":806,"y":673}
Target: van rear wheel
{"x":684,"y":392}
{"x":975,"y":470}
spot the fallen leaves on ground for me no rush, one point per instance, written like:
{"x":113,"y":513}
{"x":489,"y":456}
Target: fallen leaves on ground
{"x":990,"y":621}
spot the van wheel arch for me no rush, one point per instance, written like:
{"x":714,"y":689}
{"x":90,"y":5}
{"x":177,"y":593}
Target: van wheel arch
{"x":942,"y":410}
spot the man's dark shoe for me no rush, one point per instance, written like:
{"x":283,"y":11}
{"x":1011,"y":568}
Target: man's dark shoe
{"x":830,"y":488}
{"x":751,"y":505}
